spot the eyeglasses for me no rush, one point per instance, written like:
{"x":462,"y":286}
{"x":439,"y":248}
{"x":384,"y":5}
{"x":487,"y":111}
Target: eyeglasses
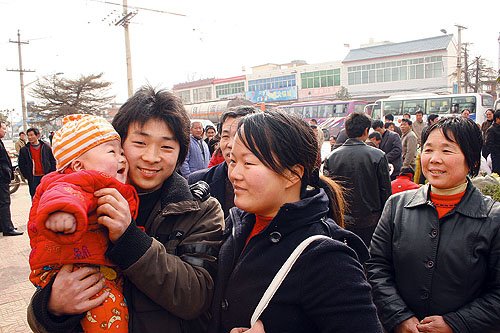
{"x":314,"y":126}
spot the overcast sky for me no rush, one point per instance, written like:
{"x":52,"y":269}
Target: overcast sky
{"x":216,"y":38}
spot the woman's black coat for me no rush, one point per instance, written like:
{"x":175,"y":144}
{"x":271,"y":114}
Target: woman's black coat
{"x":326,"y":290}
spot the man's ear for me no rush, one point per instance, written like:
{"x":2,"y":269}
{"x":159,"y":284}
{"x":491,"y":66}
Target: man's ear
{"x":295,"y":176}
{"x":77,"y":165}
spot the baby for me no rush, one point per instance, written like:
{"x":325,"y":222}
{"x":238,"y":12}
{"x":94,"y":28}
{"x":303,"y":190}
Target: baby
{"x":63,"y":226}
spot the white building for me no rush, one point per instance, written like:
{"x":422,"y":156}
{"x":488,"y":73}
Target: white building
{"x":368,"y":73}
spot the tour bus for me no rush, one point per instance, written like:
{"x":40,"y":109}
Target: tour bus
{"x":213,"y":110}
{"x":442,"y":105}
{"x":329,"y":114}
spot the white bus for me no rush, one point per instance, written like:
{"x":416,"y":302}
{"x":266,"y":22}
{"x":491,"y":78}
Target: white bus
{"x":442,"y":105}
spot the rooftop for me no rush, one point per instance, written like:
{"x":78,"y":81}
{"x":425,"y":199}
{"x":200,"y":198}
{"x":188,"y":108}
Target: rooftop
{"x":395,"y":49}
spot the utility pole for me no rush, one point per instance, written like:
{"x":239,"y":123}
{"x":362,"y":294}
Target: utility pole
{"x":459,"y":58}
{"x":125,"y":21}
{"x":466,"y":65}
{"x":21,"y":74}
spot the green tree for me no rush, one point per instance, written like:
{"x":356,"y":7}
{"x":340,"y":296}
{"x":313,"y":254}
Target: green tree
{"x":343,"y":94}
{"x":4,"y":116}
{"x":56,"y":97}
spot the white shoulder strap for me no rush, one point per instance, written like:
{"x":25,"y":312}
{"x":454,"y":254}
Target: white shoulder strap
{"x":281,"y":275}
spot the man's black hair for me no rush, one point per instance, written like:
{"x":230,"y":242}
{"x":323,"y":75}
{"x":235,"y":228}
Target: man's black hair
{"x":34,"y":130}
{"x":236,"y":112}
{"x":389,"y":116}
{"x":432,"y":117}
{"x":356,"y":124}
{"x":162,"y":105}
{"x":388,"y":124}
{"x":419,"y":111}
{"x":496,"y":115}
{"x":407,"y":170}
{"x":377,"y":123}
{"x":375,"y":135}
{"x":408,"y":121}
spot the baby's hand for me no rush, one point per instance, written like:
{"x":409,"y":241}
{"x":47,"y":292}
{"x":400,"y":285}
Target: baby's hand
{"x":61,"y":222}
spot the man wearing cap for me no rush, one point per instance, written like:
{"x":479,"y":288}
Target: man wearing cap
{"x":35,"y":160}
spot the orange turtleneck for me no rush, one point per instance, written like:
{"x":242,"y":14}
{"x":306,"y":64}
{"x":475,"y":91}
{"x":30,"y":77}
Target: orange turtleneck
{"x":445,"y":203}
{"x":260,"y":223}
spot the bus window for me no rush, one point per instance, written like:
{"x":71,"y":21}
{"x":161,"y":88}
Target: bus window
{"x":330,"y":111}
{"x":393,"y":107}
{"x":314,"y":113}
{"x":487,"y":100}
{"x":299,"y":111}
{"x":323,"y":111}
{"x":359,"y":107}
{"x":438,"y":105}
{"x":340,"y":109}
{"x":413,"y":106}
{"x":307,"y":111}
{"x":465,"y":102}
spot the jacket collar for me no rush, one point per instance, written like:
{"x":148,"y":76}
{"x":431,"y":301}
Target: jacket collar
{"x":290,"y":216}
{"x":175,"y":189}
{"x":472,"y":204}
{"x":353,"y":142}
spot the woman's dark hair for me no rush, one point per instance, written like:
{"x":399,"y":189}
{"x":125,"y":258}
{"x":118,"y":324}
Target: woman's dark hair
{"x":162,"y":105}
{"x":466,"y":134}
{"x":281,"y":141}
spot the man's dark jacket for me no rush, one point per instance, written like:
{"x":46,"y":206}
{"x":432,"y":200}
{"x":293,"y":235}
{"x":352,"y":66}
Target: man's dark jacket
{"x":422,"y":265}
{"x":26,"y":160}
{"x":393,"y":148}
{"x":364,"y":172}
{"x":493,"y":139}
{"x":6,"y":174}
{"x":216,"y":177}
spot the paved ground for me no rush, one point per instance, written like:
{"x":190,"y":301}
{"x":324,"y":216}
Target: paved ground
{"x":15,"y":288}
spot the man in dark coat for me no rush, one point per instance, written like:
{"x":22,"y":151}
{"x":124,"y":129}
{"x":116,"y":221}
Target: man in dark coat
{"x":216,"y":176}
{"x":35,"y":160}
{"x":365,"y":172}
{"x":6,"y":175}
{"x":493,"y":142}
{"x":391,"y":145}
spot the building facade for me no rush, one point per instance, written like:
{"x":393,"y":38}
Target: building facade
{"x":370,"y":72}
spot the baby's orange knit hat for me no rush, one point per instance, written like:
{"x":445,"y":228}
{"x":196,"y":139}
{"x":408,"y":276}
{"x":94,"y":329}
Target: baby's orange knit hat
{"x":80,"y":133}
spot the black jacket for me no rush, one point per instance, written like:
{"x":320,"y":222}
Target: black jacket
{"x":393,"y":148}
{"x":364,"y":172}
{"x":325,"y":291}
{"x":422,"y":265}
{"x":493,"y":139}
{"x":25,"y":160}
{"x":216,"y":178}
{"x":6,"y":174}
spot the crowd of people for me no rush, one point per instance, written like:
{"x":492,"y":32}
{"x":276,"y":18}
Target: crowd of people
{"x":131,"y":230}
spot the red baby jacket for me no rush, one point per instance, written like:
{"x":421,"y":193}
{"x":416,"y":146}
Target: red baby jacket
{"x":72,"y":192}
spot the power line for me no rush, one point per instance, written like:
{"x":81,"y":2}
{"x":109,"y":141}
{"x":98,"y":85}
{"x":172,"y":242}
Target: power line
{"x":141,"y":8}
